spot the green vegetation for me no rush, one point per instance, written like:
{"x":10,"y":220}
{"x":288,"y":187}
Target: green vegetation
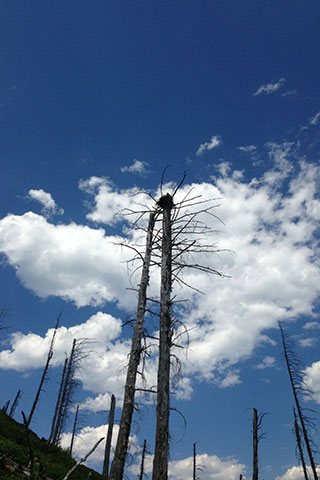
{"x":49,"y":462}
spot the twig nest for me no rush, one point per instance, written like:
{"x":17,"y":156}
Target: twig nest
{"x":166,"y":202}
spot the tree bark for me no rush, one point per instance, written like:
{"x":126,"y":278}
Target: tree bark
{"x":55,"y":415}
{"x":142,"y":460}
{"x":105,"y":471}
{"x":161,"y":453}
{"x":255,"y":445}
{"x":117,"y":466}
{"x":74,"y":430}
{"x":299,"y":445}
{"x":44,"y":374}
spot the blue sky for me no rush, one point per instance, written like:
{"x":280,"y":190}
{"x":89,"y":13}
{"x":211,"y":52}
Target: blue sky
{"x":96,"y":99}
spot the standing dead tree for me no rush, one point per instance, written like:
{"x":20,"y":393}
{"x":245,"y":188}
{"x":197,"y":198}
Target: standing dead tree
{"x":69,"y":386}
{"x":173,"y":236}
{"x":15,"y":404}
{"x":299,"y":445}
{"x":44,"y":374}
{"x":105,"y":470}
{"x":117,"y":466}
{"x":57,"y":407}
{"x":257,"y":435}
{"x":296,"y":381}
{"x":74,"y":430}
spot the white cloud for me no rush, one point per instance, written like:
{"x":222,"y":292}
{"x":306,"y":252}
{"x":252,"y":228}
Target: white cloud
{"x":307,"y":342}
{"x":213,"y":468}
{"x":45,"y":198}
{"x":88,"y":437}
{"x":248,"y":148}
{"x":213,"y":143}
{"x":272,"y":261}
{"x":231,"y":379}
{"x":269,"y":88}
{"x":137,"y":166}
{"x":311,"y":325}
{"x":267,"y":362}
{"x":312,"y":380}
{"x":295,"y":473}
{"x":315,"y":119}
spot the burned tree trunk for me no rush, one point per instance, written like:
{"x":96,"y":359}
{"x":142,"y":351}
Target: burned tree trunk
{"x":255,"y":444}
{"x":44,"y":374}
{"x":161,"y":452}
{"x":117,"y":466}
{"x":15,"y":403}
{"x":74,"y":430}
{"x":56,"y":411}
{"x":142,"y":460}
{"x":295,"y":381}
{"x":299,"y":445}
{"x":105,"y":471}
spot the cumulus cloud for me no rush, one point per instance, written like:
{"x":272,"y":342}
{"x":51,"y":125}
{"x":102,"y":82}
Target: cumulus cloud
{"x":269,"y":88}
{"x":311,"y":325}
{"x":312,"y":380}
{"x":137,"y":166}
{"x":88,"y":437}
{"x":295,"y":473}
{"x":213,"y":467}
{"x":213,"y":143}
{"x":307,"y":342}
{"x":267,"y":362}
{"x":45,"y":198}
{"x":271,"y":258}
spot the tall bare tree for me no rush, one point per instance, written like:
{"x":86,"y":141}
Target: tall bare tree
{"x":117,"y":466}
{"x":105,"y":470}
{"x":58,"y":403}
{"x":44,"y":373}
{"x":299,"y":445}
{"x":15,"y":403}
{"x":296,"y":381}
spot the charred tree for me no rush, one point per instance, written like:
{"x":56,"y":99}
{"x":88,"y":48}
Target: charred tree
{"x":117,"y":466}
{"x":255,"y":445}
{"x":74,"y":430}
{"x":44,"y":374}
{"x":57,"y":407}
{"x":194,"y":473}
{"x":299,"y":445}
{"x":161,"y":452}
{"x":15,"y":404}
{"x":296,"y":382}
{"x":142,"y":460}
{"x":105,"y":470}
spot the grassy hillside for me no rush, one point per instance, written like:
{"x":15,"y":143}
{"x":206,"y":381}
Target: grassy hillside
{"x":50,"y":462}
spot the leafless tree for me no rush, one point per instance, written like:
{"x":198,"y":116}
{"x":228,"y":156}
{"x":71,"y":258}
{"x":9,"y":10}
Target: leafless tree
{"x":74,"y":430}
{"x":58,"y":403}
{"x":296,"y":381}
{"x":257,"y":436}
{"x":105,"y":470}
{"x":144,"y":450}
{"x":82,"y":460}
{"x":15,"y":404}
{"x":299,"y":445}
{"x":44,"y":374}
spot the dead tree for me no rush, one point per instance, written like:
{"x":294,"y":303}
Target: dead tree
{"x":257,"y":435}
{"x":299,"y":445}
{"x":69,"y":386}
{"x":5,"y":407}
{"x":82,"y":460}
{"x":142,"y":460}
{"x":44,"y":374}
{"x":57,"y":407}
{"x":74,"y":430}
{"x":117,"y":466}
{"x":15,"y":403}
{"x":161,"y":451}
{"x":105,"y":470}
{"x":296,"y":381}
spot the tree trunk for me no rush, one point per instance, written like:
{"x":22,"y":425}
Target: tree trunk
{"x":299,"y":445}
{"x":105,"y":471}
{"x":117,"y":466}
{"x":44,"y":374}
{"x":142,"y":460}
{"x":15,"y":403}
{"x":55,"y":415}
{"x":299,"y":410}
{"x":161,"y":453}
{"x":194,"y":463}
{"x":74,"y":430}
{"x":255,"y":445}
